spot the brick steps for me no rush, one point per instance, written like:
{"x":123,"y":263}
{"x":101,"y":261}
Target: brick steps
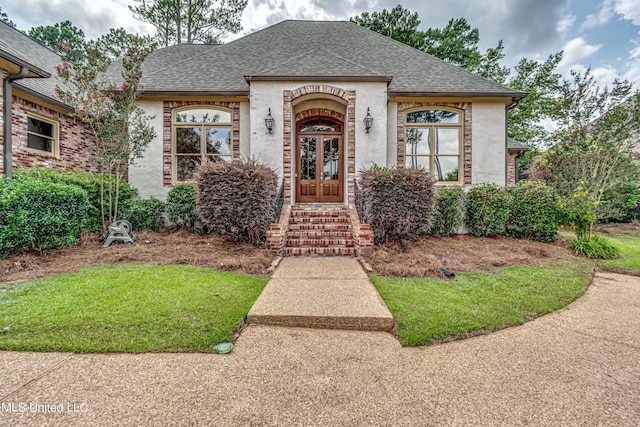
{"x":319,"y":230}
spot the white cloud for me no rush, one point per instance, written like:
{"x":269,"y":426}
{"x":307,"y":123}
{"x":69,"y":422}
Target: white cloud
{"x":602,"y":17}
{"x":566,"y":23}
{"x":575,"y":51}
{"x":629,"y":9}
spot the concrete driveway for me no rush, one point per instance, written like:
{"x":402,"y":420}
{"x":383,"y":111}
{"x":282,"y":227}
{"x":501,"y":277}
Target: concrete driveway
{"x":577,"y":366}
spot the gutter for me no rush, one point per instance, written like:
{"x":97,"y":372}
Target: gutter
{"x":7,"y":96}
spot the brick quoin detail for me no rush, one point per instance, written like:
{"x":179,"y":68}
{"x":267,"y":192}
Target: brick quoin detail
{"x":466,"y":128}
{"x":167,"y":122}
{"x":291,"y":95}
{"x":75,"y":139}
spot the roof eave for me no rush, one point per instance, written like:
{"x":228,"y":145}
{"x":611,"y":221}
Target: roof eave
{"x":326,"y":78}
{"x":38,"y":95}
{"x":39,"y":72}
{"x":515,"y":96}
{"x":194,"y":93}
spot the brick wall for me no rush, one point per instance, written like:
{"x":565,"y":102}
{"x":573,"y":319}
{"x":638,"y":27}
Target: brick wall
{"x":511,"y":167}
{"x":73,"y":139}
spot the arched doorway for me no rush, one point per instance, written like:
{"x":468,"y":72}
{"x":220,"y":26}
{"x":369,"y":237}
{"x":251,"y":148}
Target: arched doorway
{"x":319,"y":160}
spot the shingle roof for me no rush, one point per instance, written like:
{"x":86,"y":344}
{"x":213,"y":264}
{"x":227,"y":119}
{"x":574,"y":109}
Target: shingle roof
{"x":22,"y":50}
{"x":513,"y":145}
{"x":298,"y":49}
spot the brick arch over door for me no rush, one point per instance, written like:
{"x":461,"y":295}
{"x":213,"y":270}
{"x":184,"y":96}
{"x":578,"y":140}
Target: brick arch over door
{"x":289,"y":121}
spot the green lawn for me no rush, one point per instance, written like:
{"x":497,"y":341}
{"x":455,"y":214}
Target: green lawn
{"x":629,"y":259}
{"x":126,"y":308}
{"x":429,"y":310}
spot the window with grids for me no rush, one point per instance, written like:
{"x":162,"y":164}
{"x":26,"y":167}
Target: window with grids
{"x":434,"y":141}
{"x":42,"y":134}
{"x":199,"y":134}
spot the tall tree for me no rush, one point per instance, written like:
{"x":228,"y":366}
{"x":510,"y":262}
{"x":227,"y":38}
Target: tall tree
{"x":117,"y":42}
{"x":56,"y":35}
{"x":5,"y":18}
{"x":542,"y":81}
{"x":190,"y":21}
{"x":596,"y":139}
{"x":398,"y":23}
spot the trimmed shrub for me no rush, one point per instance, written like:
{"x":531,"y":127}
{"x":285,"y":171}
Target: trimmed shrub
{"x":487,"y":210}
{"x":397,"y":202}
{"x":449,"y":210}
{"x":533,"y":211}
{"x":40,"y":215}
{"x":88,"y":181}
{"x":237,"y":198}
{"x":595,"y":247}
{"x":181,"y":206}
{"x":144,"y":214}
{"x":620,"y":203}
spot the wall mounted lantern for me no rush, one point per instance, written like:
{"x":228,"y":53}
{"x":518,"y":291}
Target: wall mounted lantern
{"x":368,"y":121}
{"x":269,"y":121}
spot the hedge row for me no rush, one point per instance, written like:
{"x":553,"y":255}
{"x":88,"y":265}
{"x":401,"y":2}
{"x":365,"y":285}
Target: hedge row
{"x":40,"y":215}
{"x":528,"y":210}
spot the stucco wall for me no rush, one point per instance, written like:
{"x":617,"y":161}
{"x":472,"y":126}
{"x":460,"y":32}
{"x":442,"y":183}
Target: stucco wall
{"x":370,"y":148}
{"x":488,"y":143}
{"x":147,"y":174}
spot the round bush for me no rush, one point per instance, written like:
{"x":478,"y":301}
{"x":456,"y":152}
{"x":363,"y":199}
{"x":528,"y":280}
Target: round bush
{"x":533,"y":211}
{"x":448,"y":214}
{"x":487,"y":210}
{"x":144,"y":214}
{"x":181,"y":206}
{"x":40,"y":215}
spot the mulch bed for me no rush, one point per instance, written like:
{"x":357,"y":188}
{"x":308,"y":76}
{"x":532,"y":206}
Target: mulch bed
{"x":426,"y":256}
{"x":179,"y":247}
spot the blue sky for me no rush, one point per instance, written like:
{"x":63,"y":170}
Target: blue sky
{"x":601,"y":34}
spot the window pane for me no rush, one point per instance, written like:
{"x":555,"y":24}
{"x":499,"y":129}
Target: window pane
{"x":418,"y":141}
{"x":188,"y":140}
{"x":203,"y":115}
{"x":186,"y":166}
{"x":447,"y":141}
{"x":417,"y":161}
{"x":40,"y":127}
{"x":446,"y":168}
{"x":331,"y":148}
{"x":218,"y":140}
{"x":39,"y":143}
{"x":433,"y":116}
{"x":216,"y":159}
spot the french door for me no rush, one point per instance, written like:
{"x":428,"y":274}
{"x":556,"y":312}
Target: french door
{"x":319,"y":168}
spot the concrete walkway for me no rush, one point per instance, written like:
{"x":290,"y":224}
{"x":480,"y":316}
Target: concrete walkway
{"x":329,"y":293}
{"x":577,"y":366}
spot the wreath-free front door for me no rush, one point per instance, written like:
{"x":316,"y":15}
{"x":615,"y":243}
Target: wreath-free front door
{"x":319,"y":168}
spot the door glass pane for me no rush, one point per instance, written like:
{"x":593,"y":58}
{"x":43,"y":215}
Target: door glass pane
{"x":447,"y":141}
{"x":218,"y":140}
{"x":446,"y":168}
{"x":188,"y":140}
{"x":330,"y":158}
{"x":308,"y":158}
